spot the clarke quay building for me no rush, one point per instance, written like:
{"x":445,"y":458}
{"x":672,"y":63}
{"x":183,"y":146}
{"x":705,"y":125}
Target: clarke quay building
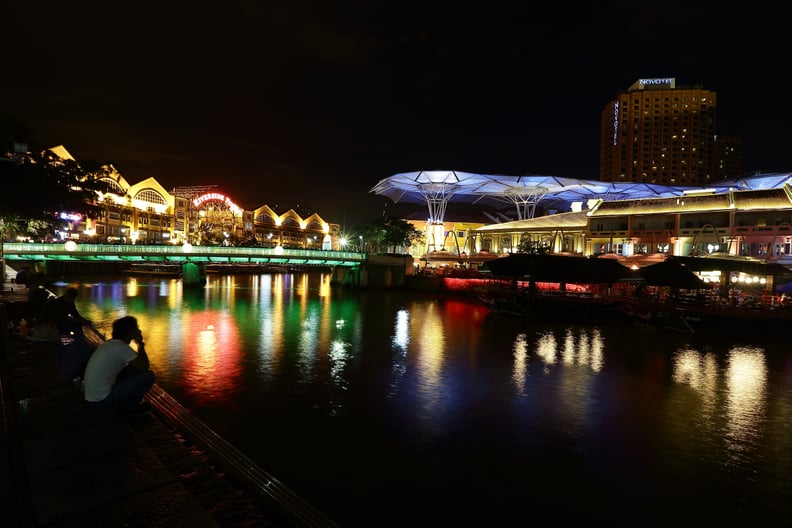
{"x":669,"y":184}
{"x":147,"y":213}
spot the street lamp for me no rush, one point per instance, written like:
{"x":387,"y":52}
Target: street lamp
{"x":361,"y":243}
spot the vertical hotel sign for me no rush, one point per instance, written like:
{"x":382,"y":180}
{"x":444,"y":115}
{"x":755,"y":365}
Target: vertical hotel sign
{"x":616,"y":123}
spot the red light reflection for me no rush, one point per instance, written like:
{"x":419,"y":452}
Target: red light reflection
{"x":212,"y":362}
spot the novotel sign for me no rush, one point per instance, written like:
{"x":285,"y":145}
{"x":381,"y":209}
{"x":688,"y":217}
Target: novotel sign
{"x":216,"y":197}
{"x":666,"y":82}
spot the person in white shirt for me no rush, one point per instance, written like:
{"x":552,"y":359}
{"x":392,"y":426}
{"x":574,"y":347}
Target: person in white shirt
{"x":116,"y":376}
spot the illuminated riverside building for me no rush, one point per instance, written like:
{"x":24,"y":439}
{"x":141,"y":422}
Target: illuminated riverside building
{"x":146,"y":213}
{"x":749,"y":216}
{"x":754,"y":223}
{"x":658,"y":132}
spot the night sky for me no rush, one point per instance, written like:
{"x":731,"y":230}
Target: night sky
{"x":308,"y":104}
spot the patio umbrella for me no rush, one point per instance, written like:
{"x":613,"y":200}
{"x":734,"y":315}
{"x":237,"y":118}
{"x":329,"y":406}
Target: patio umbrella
{"x":557,"y":268}
{"x":671,"y":273}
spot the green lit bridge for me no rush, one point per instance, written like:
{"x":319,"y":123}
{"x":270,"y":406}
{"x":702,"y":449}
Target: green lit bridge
{"x":178,"y":254}
{"x":348,"y":267}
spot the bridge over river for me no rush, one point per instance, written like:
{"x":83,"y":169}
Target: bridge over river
{"x":360,"y":268}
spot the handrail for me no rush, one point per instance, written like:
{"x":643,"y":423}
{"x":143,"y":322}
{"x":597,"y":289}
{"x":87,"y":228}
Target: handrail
{"x":129,"y":251}
{"x":271,"y":490}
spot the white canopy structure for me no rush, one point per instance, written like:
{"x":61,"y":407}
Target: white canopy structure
{"x":439,"y":187}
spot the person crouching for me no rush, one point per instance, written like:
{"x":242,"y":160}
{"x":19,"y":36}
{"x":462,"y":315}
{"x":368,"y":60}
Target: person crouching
{"x":116,"y":376}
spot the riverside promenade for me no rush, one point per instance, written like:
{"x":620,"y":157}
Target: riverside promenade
{"x":65,"y":465}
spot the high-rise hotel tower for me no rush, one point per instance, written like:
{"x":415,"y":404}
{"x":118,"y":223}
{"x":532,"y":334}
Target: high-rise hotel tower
{"x":656,"y":132}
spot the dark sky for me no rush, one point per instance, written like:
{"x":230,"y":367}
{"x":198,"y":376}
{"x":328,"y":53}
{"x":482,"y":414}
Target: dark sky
{"x":311,"y":103}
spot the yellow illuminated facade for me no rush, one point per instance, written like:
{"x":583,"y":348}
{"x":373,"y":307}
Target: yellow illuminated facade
{"x":147,"y":213}
{"x":756,"y":223}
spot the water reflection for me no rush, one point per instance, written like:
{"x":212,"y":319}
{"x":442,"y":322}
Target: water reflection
{"x":520,"y":369}
{"x":746,"y":385}
{"x":737,"y":393}
{"x":400,"y":342}
{"x":211,"y":364}
{"x":479,"y":407}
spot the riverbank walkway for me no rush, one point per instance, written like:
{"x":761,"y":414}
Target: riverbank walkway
{"x":65,"y":465}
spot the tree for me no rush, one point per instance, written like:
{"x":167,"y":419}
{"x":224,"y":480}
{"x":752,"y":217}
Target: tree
{"x":391,"y":234}
{"x":527,"y":245}
{"x":38,"y":187}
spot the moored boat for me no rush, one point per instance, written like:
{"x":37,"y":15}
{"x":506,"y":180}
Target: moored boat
{"x":154,"y":269}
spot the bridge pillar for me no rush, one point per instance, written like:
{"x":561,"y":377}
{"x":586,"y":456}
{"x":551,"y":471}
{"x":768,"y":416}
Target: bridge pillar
{"x":194,"y":274}
{"x":337,"y":275}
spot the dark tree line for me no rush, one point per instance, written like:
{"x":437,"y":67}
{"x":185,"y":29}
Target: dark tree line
{"x":38,"y":185}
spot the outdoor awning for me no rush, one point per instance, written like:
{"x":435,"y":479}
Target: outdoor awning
{"x":557,"y":268}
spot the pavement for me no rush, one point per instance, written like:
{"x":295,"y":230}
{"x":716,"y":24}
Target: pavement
{"x":67,"y":465}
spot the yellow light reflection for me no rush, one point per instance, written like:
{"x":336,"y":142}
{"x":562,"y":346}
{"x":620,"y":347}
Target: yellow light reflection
{"x":596,"y":354}
{"x":746,"y":395}
{"x":568,"y":351}
{"x":547,"y":349}
{"x":431,"y":343}
{"x":132,"y":288}
{"x":520,"y":369}
{"x":697,"y":370}
{"x":700,"y":372}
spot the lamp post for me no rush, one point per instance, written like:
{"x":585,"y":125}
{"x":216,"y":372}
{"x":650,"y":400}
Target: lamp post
{"x":361,"y":243}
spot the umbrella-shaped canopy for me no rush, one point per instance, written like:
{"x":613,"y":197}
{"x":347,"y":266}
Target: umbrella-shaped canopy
{"x":557,"y":268}
{"x":671,"y":273}
{"x":442,"y":186}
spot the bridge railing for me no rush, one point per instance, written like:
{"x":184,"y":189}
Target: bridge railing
{"x":98,"y":251}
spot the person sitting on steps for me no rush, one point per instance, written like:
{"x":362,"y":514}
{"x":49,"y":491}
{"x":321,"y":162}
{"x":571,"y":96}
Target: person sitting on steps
{"x":62,"y":310}
{"x":60,"y":321}
{"x":116,"y":376}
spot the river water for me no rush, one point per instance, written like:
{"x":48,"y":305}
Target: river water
{"x":388,"y":408}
